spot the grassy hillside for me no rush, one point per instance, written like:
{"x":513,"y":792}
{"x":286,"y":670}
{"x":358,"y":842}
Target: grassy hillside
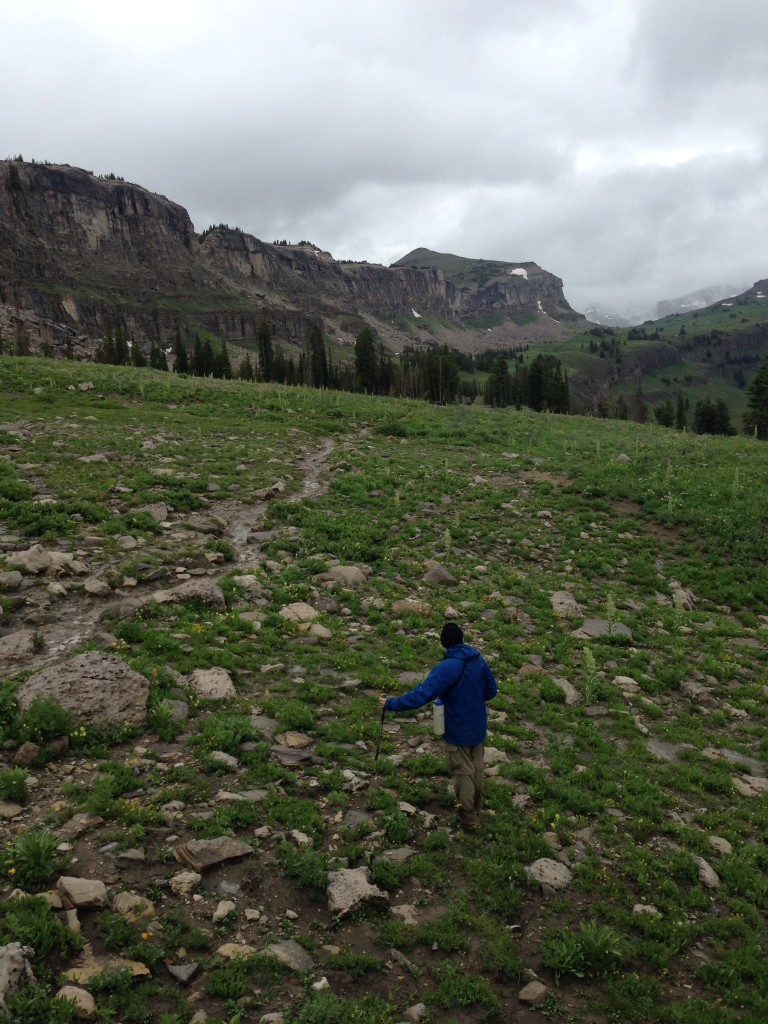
{"x":710,"y":353}
{"x":633,"y":752}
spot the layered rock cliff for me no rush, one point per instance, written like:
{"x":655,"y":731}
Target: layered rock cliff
{"x":81,"y":255}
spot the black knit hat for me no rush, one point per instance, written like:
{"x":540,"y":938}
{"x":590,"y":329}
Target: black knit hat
{"x":451,"y":635}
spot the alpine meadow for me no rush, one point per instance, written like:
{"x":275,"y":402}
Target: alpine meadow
{"x":206,"y":585}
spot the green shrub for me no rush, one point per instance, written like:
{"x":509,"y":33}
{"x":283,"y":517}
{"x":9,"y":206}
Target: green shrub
{"x":45,"y":719}
{"x":594,"y":951}
{"x":13,"y":784}
{"x":31,"y":859}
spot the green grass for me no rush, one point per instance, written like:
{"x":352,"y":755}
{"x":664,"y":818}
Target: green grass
{"x":407,"y":483}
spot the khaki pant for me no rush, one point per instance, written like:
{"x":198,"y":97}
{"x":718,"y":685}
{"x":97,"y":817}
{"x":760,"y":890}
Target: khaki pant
{"x":467,"y":771}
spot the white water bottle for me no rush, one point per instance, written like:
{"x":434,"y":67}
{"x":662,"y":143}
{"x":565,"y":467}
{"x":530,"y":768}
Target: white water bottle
{"x":438,"y":717}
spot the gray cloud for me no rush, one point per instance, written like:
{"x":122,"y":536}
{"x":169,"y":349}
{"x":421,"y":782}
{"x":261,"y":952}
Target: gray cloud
{"x":621,"y":144}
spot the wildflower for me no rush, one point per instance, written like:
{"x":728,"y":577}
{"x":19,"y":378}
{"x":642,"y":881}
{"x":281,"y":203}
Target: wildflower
{"x":11,"y":871}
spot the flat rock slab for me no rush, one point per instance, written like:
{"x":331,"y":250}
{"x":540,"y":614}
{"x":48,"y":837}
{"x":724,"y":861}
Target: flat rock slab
{"x":550,"y":873}
{"x":290,"y":756}
{"x":266,"y":726}
{"x":212,"y":684}
{"x":294,"y":740}
{"x":183,"y":973}
{"x":83,"y":893}
{"x":565,"y":605}
{"x":349,"y":889}
{"x":300,"y":611}
{"x":17,"y":646}
{"x":290,"y":953}
{"x":235,"y":950}
{"x":89,"y":967}
{"x":347,"y":575}
{"x":79,"y":825}
{"x":96,"y":687}
{"x":202,"y":854}
{"x":412,"y":606}
{"x":592,"y":628}
{"x":134,"y":908}
{"x":199,"y":589}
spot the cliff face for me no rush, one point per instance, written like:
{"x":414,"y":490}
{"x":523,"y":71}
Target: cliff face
{"x":80,"y":255}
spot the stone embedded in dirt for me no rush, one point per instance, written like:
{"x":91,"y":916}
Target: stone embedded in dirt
{"x":592,"y":628}
{"x":85,"y":1004}
{"x":294,"y":739}
{"x":14,"y":966}
{"x":185,"y":883}
{"x":184,"y":973}
{"x":96,"y":587}
{"x":212,"y":684}
{"x":353,"y":818}
{"x":89,"y":967}
{"x":133,"y":908}
{"x":533,"y":993}
{"x":290,"y":953}
{"x":315,"y":631}
{"x":647,"y":909}
{"x":399,"y":856}
{"x":492,"y":755}
{"x":707,"y":874}
{"x":406,"y":912}
{"x":224,"y":909}
{"x":158,"y":510}
{"x":412,"y":606}
{"x":349,"y":889}
{"x":78,"y":825}
{"x":202,"y":854}
{"x":266,"y":726}
{"x":550,"y":873}
{"x":299,"y":611}
{"x":27,"y":754}
{"x":17,"y":646}
{"x":347,"y":575}
{"x":95,"y":687}
{"x":83,"y":893}
{"x":565,"y":605}
{"x":10,"y":580}
{"x":626,"y":684}
{"x":37,"y":559}
{"x":249,"y":583}
{"x":720,"y":845}
{"x":233,"y":950}
{"x":288,"y":757}
{"x":224,"y":759}
{"x":437,"y":573}
{"x":570,"y":691}
{"x":131,"y":856}
{"x":202,"y":589}
{"x":415,"y":1012}
{"x":9,"y":810}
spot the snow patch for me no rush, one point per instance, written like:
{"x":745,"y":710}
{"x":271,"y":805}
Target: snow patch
{"x":726,"y":303}
{"x":417,"y":315}
{"x":519,"y":272}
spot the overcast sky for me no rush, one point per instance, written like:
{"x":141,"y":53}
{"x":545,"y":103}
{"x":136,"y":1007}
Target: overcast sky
{"x":620,"y":144}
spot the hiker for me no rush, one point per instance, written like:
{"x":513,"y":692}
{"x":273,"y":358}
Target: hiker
{"x":463,"y":679}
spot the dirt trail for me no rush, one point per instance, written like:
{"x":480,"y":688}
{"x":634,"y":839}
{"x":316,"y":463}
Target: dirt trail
{"x":78,"y":616}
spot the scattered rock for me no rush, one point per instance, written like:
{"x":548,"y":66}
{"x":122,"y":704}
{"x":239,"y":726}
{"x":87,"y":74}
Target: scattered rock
{"x":134,"y":908}
{"x":84,"y":893}
{"x":85,"y":1004}
{"x":533,"y":993}
{"x":185,"y":883}
{"x":707,"y":874}
{"x":212,"y":684}
{"x":349,"y":889}
{"x":550,"y":873}
{"x":290,"y":953}
{"x":300,"y":611}
{"x":201,"y":588}
{"x":412,"y":606}
{"x":592,"y":628}
{"x":202,"y":854}
{"x":14,"y":967}
{"x":565,"y":605}
{"x":437,"y":573}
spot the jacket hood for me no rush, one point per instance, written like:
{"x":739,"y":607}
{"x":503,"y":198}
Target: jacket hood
{"x":461,"y":652}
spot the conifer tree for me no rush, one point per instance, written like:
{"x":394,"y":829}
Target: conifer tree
{"x":180,"y":356}
{"x":756,"y":416}
{"x":266,"y":355}
{"x":366,"y":368}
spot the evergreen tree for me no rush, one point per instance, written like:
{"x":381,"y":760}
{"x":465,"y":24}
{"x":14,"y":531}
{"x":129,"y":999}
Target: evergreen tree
{"x":137,"y":356}
{"x":498,"y":388}
{"x":756,"y":416}
{"x":245,"y":369}
{"x":665,"y":414}
{"x":317,"y":358}
{"x":622,"y":413}
{"x":681,"y":418}
{"x":266,"y":355}
{"x":180,"y":356}
{"x":366,"y":368}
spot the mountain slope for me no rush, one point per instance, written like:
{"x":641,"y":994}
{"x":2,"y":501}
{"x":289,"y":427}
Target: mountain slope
{"x":81,"y":255}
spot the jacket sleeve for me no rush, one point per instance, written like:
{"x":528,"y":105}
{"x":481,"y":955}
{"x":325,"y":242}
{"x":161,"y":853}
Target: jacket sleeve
{"x":437,"y":682}
{"x":491,"y":686}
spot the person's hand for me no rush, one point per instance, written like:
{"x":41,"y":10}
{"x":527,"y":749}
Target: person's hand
{"x":382,"y":702}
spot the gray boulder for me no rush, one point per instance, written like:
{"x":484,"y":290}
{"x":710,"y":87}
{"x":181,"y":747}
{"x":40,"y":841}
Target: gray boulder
{"x":95,"y":687}
{"x":349,"y":889}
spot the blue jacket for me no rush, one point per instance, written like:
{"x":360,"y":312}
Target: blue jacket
{"x":466,"y":719}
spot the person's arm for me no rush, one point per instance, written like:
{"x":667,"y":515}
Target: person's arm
{"x":432,"y":687}
{"x":491,"y":686}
